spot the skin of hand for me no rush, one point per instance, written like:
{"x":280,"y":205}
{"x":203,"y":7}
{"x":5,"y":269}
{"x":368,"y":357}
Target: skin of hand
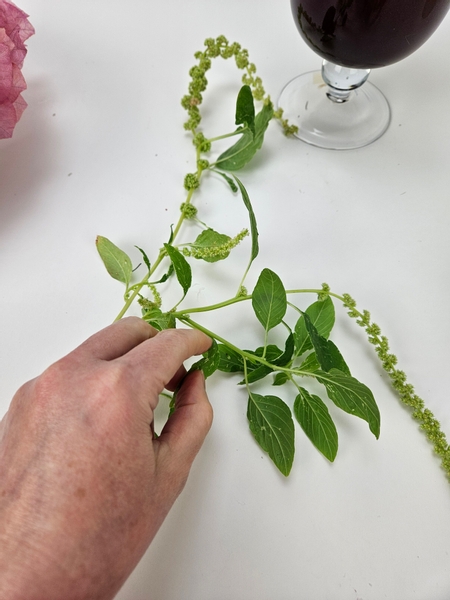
{"x":84,"y":483}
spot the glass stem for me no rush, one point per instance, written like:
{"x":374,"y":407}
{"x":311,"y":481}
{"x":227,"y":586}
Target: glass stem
{"x":341,"y":81}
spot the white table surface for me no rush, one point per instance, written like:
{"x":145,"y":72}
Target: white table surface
{"x":101,"y":150}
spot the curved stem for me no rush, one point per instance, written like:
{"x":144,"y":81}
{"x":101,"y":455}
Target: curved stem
{"x":186,"y":311}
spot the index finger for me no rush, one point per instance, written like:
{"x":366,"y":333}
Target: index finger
{"x":116,"y":339}
{"x":156,"y":361}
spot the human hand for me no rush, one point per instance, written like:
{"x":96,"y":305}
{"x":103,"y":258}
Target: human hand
{"x":84,"y":486}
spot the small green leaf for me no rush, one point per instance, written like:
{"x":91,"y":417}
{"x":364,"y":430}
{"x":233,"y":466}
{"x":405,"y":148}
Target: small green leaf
{"x":247,"y":146}
{"x":145,"y":258}
{"x":322,"y":316}
{"x":117,"y":262}
{"x":229,"y":360}
{"x":351,"y":396}
{"x":211,"y":239}
{"x":253,"y":226}
{"x":269,"y":299}
{"x":271,"y":424}
{"x":166,"y":276}
{"x":245,"y":108}
{"x":280,"y":379}
{"x":229,"y":180}
{"x":182,"y":268}
{"x":315,"y":420}
{"x":210,"y":361}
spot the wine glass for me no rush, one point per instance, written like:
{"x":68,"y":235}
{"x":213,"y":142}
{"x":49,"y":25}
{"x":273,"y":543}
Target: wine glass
{"x":333,"y":109}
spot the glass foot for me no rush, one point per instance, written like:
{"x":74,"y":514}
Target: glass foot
{"x":327,"y":122}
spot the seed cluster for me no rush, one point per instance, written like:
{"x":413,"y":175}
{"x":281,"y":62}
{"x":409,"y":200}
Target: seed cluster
{"x":428,"y":422}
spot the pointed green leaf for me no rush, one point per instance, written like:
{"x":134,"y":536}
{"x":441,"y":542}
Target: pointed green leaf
{"x":145,"y":257}
{"x":245,"y":108}
{"x":210,"y":361}
{"x":271,"y":424}
{"x":285,"y":358}
{"x":247,"y":146}
{"x":280,"y":379}
{"x":320,"y":345}
{"x":181,"y":266}
{"x":253,"y":227}
{"x":327,"y":353}
{"x":210,"y":239}
{"x":315,"y":420}
{"x":337,"y":358}
{"x":117,"y":262}
{"x":322,"y":316}
{"x":229,"y":180}
{"x":166,"y":276}
{"x":269,"y":299}
{"x":351,"y":396}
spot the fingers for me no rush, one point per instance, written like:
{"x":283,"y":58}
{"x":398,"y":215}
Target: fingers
{"x":158,"y":362}
{"x":116,"y":339}
{"x":186,"y":429}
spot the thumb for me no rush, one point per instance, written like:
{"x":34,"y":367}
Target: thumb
{"x":187,"y":427}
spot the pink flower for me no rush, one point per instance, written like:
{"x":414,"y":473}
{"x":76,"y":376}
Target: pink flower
{"x":14,"y":30}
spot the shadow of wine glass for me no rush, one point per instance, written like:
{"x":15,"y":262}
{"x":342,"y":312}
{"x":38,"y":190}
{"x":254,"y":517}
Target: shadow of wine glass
{"x":25,"y":159}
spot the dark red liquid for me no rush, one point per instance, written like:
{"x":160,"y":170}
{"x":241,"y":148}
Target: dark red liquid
{"x":367,"y":33}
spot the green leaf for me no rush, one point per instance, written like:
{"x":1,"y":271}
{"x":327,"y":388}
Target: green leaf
{"x":145,"y":258}
{"x":351,"y":396}
{"x":271,"y":424}
{"x":320,"y":345}
{"x":229,"y":360}
{"x":322,"y":316}
{"x":245,"y":108}
{"x":285,"y":358}
{"x":315,"y":420}
{"x":211,"y":239}
{"x":257,"y":371}
{"x":327,"y":353}
{"x":229,"y":180}
{"x":257,"y":374}
{"x":253,"y":227}
{"x":280,"y":379}
{"x":210,"y":361}
{"x":247,"y":146}
{"x":166,"y":276}
{"x":181,"y":266}
{"x":117,"y":262}
{"x":337,"y":358}
{"x":269,"y":299}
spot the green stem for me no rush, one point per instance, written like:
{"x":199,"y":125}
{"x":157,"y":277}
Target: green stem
{"x":227,"y":135}
{"x":186,"y":311}
{"x":245,"y":355}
